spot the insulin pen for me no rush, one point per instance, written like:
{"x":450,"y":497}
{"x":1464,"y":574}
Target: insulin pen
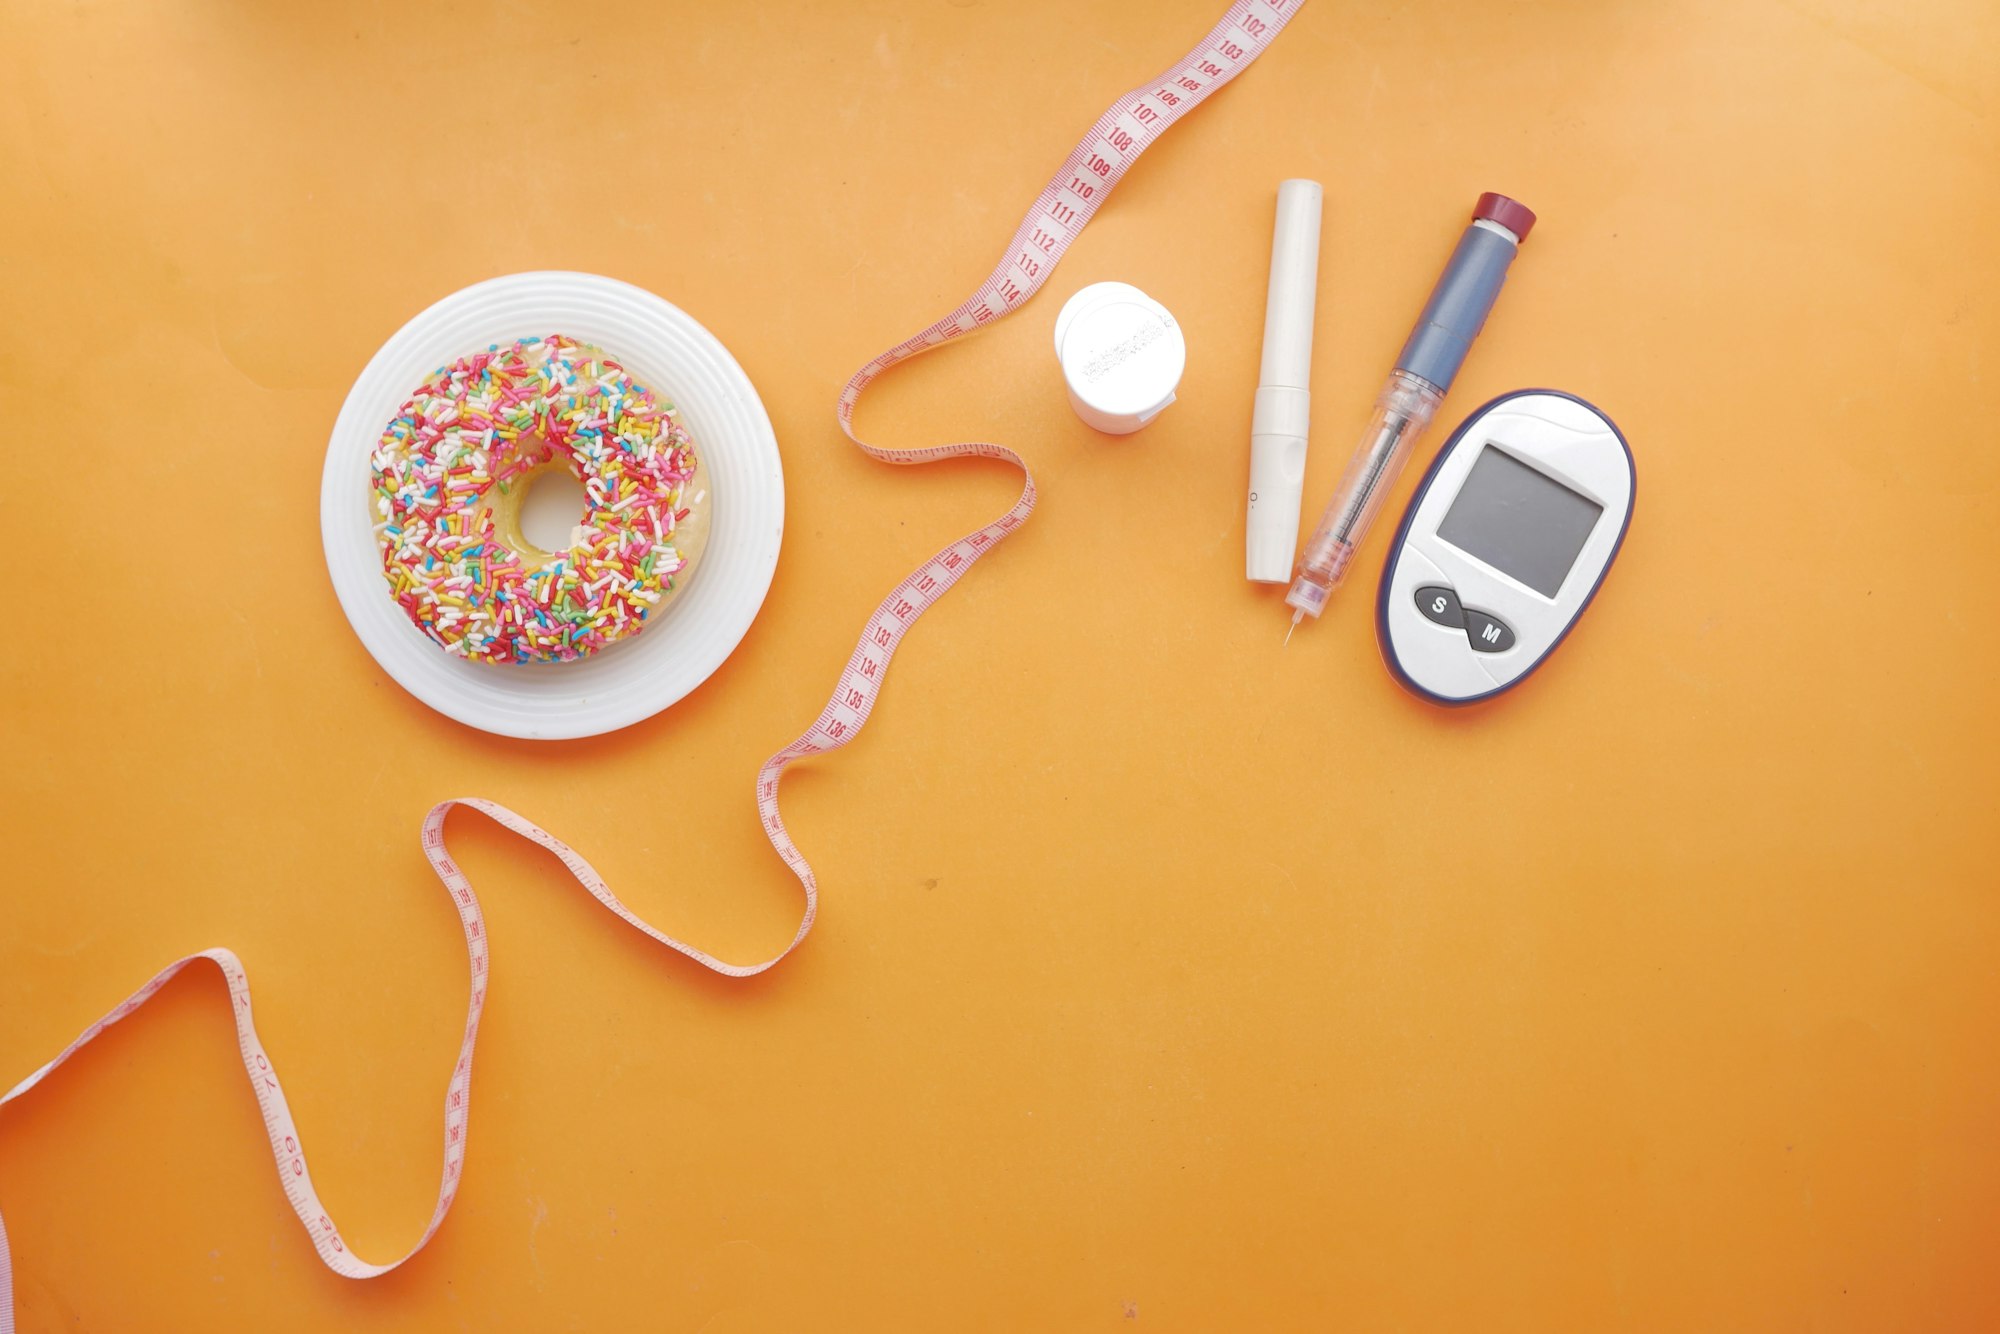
{"x":1424,"y":372}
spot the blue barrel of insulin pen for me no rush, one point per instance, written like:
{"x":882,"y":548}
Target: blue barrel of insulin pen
{"x":1425,"y":368}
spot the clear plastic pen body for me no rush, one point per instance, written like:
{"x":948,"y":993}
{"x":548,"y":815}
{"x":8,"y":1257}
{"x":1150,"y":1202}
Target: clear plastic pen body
{"x":1404,"y":410}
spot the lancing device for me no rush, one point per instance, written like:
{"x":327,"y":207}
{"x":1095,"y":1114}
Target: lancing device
{"x":1278,"y":422}
{"x":1424,"y":371}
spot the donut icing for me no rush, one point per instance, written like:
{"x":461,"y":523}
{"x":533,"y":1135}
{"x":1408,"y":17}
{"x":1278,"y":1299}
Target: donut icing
{"x":449,"y":474}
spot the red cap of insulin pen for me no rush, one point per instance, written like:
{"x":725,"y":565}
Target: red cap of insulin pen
{"x":1515,"y":216}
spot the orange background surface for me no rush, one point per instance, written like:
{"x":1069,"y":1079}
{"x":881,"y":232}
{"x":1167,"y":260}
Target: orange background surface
{"x":1167,"y":979}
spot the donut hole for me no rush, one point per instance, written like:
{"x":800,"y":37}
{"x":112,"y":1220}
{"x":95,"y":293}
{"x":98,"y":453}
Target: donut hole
{"x":553,"y":503}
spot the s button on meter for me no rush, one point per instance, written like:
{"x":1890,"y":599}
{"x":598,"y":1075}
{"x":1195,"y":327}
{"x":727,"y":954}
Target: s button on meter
{"x":1441,"y":605}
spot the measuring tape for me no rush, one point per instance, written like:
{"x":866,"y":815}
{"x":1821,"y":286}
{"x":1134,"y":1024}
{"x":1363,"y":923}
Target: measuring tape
{"x":1068,"y":202}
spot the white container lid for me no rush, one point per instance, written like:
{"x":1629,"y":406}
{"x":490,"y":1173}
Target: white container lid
{"x":1122,"y":355}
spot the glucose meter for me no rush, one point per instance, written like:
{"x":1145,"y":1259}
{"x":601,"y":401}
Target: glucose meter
{"x":1504,"y":544}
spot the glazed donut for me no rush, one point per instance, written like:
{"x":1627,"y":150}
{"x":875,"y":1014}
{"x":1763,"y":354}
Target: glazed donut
{"x":451,"y":470}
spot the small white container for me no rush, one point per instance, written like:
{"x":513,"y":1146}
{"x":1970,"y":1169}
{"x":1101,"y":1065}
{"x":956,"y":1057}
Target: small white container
{"x":1122,"y":355}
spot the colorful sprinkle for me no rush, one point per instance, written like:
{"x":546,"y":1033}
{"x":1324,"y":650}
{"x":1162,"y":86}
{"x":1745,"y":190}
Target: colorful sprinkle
{"x":474,"y":429}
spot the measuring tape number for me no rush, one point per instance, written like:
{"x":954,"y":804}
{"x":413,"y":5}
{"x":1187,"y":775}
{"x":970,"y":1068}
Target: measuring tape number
{"x":1066,"y":204}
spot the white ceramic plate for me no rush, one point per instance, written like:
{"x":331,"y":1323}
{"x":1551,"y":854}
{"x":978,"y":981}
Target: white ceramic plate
{"x":670,"y":354}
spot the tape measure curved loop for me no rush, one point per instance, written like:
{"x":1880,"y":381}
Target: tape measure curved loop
{"x":1065,"y":205}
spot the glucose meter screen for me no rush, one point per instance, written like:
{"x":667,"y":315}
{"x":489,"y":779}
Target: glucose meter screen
{"x":1519,"y":521}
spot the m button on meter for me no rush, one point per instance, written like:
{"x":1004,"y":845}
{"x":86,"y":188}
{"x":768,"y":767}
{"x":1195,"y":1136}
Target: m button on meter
{"x":1440,"y":604}
{"x":1489,"y":634}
